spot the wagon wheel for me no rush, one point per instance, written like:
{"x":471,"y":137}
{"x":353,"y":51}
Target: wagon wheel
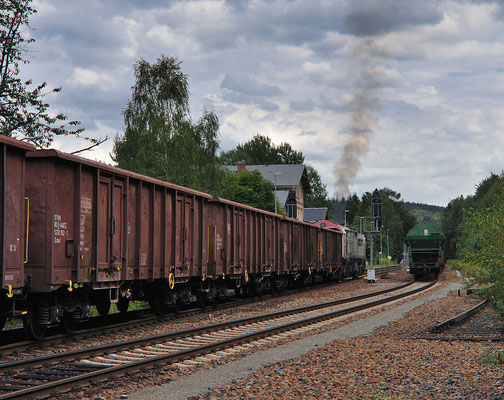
{"x":103,"y":307}
{"x":69,"y":323}
{"x":32,"y":329}
{"x":123,"y":304}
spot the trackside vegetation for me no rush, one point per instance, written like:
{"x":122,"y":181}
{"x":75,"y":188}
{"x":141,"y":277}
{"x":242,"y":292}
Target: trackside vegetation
{"x":474,"y":228}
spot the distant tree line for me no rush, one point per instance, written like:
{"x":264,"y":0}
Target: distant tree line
{"x":422,"y":206}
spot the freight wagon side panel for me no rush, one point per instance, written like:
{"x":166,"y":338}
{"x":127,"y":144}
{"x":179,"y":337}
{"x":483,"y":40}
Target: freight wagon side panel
{"x":133,"y":268}
{"x":146,"y":233}
{"x":282,"y":246}
{"x":271,"y":244}
{"x":214,"y":223}
{"x":13,"y":216}
{"x":169,"y":233}
{"x":110,"y":228}
{"x":197,"y":237}
{"x":262,"y":243}
{"x":158,"y":222}
{"x":326,"y":254}
{"x":296,"y":257}
{"x":250,"y":252}
{"x":239,"y":238}
{"x":86,"y":255}
{"x":38,"y":268}
{"x":51,"y":188}
{"x":184,"y":233}
{"x":63,"y":223}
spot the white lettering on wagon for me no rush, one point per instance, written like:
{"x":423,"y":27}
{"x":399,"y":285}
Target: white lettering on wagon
{"x":60,"y":228}
{"x":86,"y":205}
{"x":82,"y":230}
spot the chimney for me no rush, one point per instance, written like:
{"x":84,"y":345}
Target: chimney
{"x":240,"y":166}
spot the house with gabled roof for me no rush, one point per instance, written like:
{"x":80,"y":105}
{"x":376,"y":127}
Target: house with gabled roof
{"x":291,"y":184}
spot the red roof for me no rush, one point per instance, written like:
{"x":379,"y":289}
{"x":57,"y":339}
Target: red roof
{"x":325,"y":223}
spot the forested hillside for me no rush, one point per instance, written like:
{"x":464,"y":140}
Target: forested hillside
{"x":426,"y":212}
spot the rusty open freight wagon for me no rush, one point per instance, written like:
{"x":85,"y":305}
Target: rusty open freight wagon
{"x":99,"y":235}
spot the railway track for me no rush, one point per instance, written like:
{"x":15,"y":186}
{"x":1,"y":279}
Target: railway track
{"x":476,"y":324}
{"x":43,"y":376}
{"x":457,"y":319}
{"x":135,"y":320}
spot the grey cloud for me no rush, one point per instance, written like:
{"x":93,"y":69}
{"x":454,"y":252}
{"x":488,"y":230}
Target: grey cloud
{"x":267,"y":106}
{"x":366,"y":18}
{"x":240,"y":98}
{"x":247,"y":86}
{"x":379,"y":17}
{"x":301,"y":105}
{"x":237,"y":5}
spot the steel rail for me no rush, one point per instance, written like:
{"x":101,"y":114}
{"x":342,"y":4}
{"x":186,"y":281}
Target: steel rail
{"x":68,"y":383}
{"x":456,"y":319}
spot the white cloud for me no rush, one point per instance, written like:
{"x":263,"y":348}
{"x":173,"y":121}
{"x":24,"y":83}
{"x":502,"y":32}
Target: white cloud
{"x":87,"y":77}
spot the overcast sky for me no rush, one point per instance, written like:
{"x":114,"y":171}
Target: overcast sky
{"x":294,"y":71}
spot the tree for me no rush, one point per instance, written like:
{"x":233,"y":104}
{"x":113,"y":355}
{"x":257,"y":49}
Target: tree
{"x":318,"y":197}
{"x":450,"y":221}
{"x":248,"y":187}
{"x":160,"y":139}
{"x":484,"y":249}
{"x":261,"y":151}
{"x":24,"y":112}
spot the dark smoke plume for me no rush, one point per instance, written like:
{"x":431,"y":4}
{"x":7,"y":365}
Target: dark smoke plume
{"x":362,"y":106}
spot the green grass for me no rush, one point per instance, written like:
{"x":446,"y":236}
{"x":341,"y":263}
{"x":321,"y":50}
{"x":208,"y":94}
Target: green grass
{"x":384,"y":394}
{"x":466,"y":269}
{"x":133,"y":306}
{"x":496,"y":358}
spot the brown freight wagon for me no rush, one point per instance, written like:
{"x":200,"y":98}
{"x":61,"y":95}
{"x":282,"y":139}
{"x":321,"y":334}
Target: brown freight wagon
{"x":13,"y":217}
{"x":103,"y":235}
{"x":100,"y":235}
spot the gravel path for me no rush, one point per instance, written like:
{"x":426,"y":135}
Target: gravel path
{"x":372,"y":358}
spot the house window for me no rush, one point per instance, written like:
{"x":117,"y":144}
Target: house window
{"x":291,"y":205}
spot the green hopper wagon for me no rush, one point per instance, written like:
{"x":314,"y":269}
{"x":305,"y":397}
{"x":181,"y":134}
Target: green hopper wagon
{"x":425,"y":250}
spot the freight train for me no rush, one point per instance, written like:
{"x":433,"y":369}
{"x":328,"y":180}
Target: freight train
{"x":425,"y":250}
{"x":78,"y":233}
